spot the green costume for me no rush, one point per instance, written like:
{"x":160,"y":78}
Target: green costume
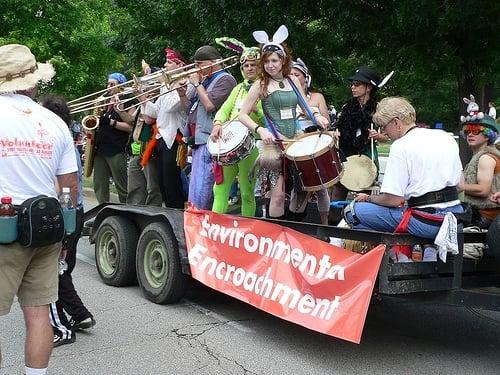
{"x":229,"y":111}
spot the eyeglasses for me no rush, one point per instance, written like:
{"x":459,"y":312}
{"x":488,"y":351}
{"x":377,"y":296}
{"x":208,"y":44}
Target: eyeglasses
{"x":357,"y":83}
{"x":383,"y":127}
{"x":473,"y":129}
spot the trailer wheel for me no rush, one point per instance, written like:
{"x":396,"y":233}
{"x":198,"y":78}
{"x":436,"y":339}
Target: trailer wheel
{"x":159,"y":269}
{"x":115,"y":249}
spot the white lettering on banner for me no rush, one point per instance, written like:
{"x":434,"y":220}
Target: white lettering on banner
{"x":263,"y":285}
{"x":275,"y":249}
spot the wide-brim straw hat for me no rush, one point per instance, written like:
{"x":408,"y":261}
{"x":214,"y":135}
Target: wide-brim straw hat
{"x":19,"y":69}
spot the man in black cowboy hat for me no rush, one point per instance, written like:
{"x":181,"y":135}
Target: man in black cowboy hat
{"x":355,"y":125}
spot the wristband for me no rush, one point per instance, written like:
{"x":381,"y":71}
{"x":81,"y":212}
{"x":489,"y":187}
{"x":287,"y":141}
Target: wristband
{"x":196,"y":85}
{"x":257,"y":128}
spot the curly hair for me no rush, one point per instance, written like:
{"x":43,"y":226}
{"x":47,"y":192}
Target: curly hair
{"x":353,"y":117}
{"x":264,"y":77}
{"x":58,"y":105}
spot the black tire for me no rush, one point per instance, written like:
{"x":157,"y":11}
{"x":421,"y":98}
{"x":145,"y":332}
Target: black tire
{"x":159,"y":270}
{"x":494,"y":238}
{"x":115,"y":249}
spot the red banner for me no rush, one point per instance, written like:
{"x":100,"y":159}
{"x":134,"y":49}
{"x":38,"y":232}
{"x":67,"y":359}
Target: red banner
{"x":284,"y":272}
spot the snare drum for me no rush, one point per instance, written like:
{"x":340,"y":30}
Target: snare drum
{"x":317,"y":160}
{"x":235,"y":143}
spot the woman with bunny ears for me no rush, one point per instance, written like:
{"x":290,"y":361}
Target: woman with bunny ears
{"x":279,"y":103}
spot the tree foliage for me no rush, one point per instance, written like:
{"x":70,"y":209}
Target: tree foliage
{"x":441,"y":50}
{"x":72,"y":34}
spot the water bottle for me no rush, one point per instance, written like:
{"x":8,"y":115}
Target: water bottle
{"x":8,"y":221}
{"x":68,"y":209}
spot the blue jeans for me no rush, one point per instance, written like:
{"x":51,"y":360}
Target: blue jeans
{"x":386,"y":219}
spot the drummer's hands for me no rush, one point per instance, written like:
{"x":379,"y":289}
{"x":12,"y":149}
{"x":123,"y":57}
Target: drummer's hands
{"x":322,"y":121}
{"x":265,"y":135}
{"x":377,"y":136}
{"x":216,"y":132}
{"x":373,"y":134}
{"x":361,"y":197}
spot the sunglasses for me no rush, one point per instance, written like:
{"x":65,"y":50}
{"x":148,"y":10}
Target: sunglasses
{"x":473,"y":129}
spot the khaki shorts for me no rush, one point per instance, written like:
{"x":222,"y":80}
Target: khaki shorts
{"x":29,"y":273}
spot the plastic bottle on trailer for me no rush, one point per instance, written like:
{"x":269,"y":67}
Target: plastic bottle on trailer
{"x":417,"y":253}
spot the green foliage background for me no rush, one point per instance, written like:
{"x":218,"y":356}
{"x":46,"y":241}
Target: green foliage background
{"x":441,"y":50}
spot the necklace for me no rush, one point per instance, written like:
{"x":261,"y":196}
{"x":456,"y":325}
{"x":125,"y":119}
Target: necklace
{"x":281,"y":84}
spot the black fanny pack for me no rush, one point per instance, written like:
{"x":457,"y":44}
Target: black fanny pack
{"x":448,"y":194}
{"x":40,"y":222}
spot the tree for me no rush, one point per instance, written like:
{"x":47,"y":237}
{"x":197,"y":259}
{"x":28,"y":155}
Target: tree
{"x":72,"y":34}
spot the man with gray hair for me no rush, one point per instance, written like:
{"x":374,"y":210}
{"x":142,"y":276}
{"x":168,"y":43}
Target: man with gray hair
{"x":36,"y":153}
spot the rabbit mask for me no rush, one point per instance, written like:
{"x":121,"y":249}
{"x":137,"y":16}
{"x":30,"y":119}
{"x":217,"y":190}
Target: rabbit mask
{"x":273,"y":45}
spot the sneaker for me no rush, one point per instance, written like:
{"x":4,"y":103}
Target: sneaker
{"x":58,"y":340}
{"x":82,"y":324}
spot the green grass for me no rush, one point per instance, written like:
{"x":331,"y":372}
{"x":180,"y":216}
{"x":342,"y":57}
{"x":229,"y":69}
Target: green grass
{"x":383,"y":149}
{"x":88,"y":183}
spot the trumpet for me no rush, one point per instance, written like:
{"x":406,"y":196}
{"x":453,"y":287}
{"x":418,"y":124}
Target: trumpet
{"x":145,"y":85}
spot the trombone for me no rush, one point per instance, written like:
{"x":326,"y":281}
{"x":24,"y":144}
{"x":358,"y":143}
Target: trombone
{"x":145,"y":85}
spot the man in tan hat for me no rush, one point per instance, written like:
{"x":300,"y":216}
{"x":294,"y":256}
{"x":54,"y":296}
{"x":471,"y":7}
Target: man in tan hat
{"x":36,"y":152}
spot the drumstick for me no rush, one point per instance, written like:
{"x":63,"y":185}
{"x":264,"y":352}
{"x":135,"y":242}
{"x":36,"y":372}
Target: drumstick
{"x":372,"y":142}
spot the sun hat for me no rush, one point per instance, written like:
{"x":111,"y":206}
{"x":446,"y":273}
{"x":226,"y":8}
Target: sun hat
{"x":19,"y":69}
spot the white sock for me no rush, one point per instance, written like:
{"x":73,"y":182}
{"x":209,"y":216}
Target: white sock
{"x":35,"y":371}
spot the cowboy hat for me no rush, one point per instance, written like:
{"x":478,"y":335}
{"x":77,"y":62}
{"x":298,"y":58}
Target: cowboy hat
{"x":19,"y":69}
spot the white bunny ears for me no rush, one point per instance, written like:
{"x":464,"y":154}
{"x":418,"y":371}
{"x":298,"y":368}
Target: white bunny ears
{"x":273,"y":45}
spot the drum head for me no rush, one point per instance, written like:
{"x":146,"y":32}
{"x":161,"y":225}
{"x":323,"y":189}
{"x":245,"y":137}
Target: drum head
{"x":360,"y":173}
{"x":308,"y":144}
{"x":233,"y":133}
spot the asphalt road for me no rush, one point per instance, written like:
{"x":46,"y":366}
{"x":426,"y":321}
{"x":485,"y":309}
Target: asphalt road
{"x":209,"y":333}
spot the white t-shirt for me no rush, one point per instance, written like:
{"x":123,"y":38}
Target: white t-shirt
{"x":422,"y":161}
{"x":171,"y":115}
{"x":35,"y":147}
{"x":493,"y":112}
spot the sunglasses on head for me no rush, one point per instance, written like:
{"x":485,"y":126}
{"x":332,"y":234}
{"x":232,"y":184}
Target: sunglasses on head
{"x":473,"y":129}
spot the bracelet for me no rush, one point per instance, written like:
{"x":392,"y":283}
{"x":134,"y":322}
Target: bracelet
{"x":196,"y":85}
{"x":257,"y":128}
